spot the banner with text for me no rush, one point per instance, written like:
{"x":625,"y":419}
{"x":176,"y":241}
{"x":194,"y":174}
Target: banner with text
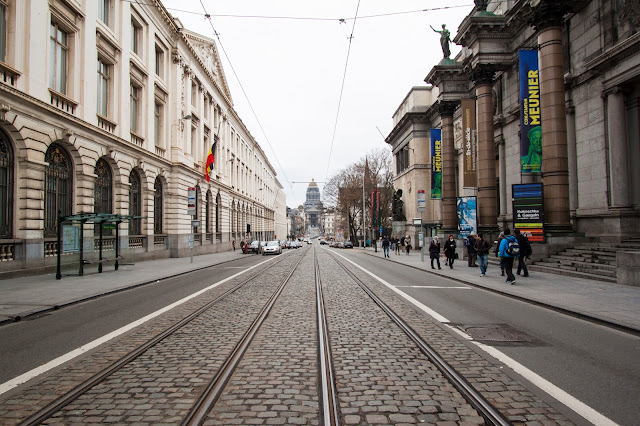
{"x":528,"y":210}
{"x":530,"y":121}
{"x":436,"y":163}
{"x":467,"y":216}
{"x":470,"y":143}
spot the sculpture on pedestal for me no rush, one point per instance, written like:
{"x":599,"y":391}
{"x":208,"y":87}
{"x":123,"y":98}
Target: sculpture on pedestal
{"x":397,"y":206}
{"x":445,"y":39}
{"x":481,"y":5}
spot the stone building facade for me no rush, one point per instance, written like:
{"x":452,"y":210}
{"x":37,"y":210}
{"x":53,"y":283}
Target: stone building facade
{"x":111,"y":107}
{"x":589,"y":62}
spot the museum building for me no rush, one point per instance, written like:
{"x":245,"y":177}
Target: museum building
{"x":113,"y":107}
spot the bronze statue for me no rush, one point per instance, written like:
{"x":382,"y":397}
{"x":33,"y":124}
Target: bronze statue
{"x":397,"y":206}
{"x":445,"y":38}
{"x":481,"y":5}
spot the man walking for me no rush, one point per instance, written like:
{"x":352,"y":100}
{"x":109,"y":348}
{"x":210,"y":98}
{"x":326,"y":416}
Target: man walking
{"x":482,"y":251}
{"x":385,"y":246}
{"x":525,"y":252}
{"x":471,"y":250}
{"x":434,"y":251}
{"x":509,"y":251}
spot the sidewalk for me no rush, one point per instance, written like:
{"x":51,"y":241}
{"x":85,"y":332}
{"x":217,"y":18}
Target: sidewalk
{"x":613,"y":304}
{"x":21,"y":297}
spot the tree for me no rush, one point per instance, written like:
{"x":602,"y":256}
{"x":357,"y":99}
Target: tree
{"x":343,"y":191}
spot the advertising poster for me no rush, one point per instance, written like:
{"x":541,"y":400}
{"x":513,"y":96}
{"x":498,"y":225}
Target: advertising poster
{"x":470,"y":143}
{"x":467,"y":216}
{"x":530,"y":122}
{"x":436,"y":163}
{"x":70,"y":238}
{"x":528,"y":211}
{"x":422,"y":200}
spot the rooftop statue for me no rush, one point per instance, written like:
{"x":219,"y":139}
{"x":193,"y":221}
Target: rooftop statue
{"x":481,"y":5}
{"x":445,"y":39}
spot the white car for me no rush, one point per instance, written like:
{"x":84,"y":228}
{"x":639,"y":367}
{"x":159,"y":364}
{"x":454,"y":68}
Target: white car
{"x":272,"y":247}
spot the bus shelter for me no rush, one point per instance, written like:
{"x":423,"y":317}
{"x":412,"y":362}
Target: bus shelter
{"x":71,"y":237}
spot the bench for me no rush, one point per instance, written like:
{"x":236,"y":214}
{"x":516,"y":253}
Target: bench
{"x":98,"y":261}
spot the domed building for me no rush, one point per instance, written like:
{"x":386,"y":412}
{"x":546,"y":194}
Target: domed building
{"x":312,"y":210}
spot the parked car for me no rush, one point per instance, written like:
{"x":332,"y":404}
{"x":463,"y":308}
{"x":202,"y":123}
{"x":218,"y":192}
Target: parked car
{"x":340,"y":244}
{"x":348,"y":244}
{"x":271,"y":247}
{"x":262,"y":244}
{"x":254,"y":246}
{"x":323,"y":242}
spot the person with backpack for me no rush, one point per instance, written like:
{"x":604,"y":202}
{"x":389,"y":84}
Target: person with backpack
{"x":482,"y":250}
{"x":434,"y":251}
{"x":509,"y":251}
{"x":525,"y":252}
{"x":450,"y":250}
{"x":470,"y":242}
{"x":497,"y":250}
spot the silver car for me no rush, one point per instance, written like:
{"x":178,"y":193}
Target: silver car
{"x":272,"y":247}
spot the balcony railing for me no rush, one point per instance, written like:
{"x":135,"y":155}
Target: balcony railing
{"x":8,"y":75}
{"x":159,"y":240}
{"x":107,"y":243}
{"x":160,"y":151}
{"x":137,"y":140}
{"x":60,"y":101}
{"x":106,"y":124}
{"x":136,"y":242}
{"x":7,"y":252}
{"x":219,"y":237}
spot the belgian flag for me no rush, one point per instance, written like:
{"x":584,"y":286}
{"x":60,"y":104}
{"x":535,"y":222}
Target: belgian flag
{"x":210,"y":161}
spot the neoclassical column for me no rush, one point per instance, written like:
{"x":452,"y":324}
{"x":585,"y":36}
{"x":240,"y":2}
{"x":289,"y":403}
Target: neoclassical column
{"x":618,"y":148}
{"x":449,"y":188}
{"x":572,"y":154}
{"x":548,"y":20}
{"x":487,"y":193}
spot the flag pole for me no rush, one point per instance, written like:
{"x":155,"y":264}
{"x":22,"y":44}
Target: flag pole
{"x":364,"y":216}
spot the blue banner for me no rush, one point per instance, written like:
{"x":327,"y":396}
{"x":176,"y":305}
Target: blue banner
{"x":436,"y":163}
{"x":530,"y":113}
{"x":467,"y":216}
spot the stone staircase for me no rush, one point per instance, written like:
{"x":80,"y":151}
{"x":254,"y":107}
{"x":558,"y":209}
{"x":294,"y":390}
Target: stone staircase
{"x":587,"y":260}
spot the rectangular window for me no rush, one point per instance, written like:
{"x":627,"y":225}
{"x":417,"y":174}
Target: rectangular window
{"x":159,"y":61}
{"x":194,"y":92}
{"x":136,"y":38}
{"x":103,"y":89}
{"x":103,"y":11}
{"x":157,"y":124}
{"x":3,"y":33}
{"x":194,"y":139}
{"x":58,"y":51}
{"x":135,"y":107}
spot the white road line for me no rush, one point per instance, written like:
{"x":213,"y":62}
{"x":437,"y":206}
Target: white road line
{"x":432,"y":286}
{"x":563,"y":397}
{"x":23,"y":378}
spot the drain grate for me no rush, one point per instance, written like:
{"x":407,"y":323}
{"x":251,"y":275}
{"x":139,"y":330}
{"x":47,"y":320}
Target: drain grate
{"x":497,"y":333}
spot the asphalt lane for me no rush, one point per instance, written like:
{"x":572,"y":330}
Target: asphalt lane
{"x":593,"y":363}
{"x":36,"y":340}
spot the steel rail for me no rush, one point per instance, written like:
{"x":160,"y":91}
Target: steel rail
{"x":330,"y":406}
{"x":205,"y":402}
{"x":64,"y":400}
{"x":490,"y":413}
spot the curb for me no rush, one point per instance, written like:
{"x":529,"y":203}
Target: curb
{"x":587,"y":317}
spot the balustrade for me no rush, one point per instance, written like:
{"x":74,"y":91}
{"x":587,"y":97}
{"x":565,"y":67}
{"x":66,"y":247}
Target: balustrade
{"x":7,"y":252}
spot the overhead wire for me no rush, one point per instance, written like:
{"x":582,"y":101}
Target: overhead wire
{"x":344,"y":76}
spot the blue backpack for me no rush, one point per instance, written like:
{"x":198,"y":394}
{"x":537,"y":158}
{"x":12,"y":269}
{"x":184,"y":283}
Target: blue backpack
{"x":513,"y":248}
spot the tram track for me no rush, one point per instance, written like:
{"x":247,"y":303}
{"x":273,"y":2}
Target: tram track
{"x":489,"y":412}
{"x":63,"y":401}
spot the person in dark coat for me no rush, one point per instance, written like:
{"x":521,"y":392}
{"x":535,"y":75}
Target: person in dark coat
{"x":471,"y":250}
{"x":506,"y":256}
{"x":385,"y":246}
{"x":434,"y":251}
{"x":482,"y":251}
{"x":525,"y":252}
{"x":450,"y":250}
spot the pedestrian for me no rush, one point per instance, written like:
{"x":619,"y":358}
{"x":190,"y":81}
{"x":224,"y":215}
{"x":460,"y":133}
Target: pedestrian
{"x":392,"y":242}
{"x":233,"y":243}
{"x":525,"y":252}
{"x":471,"y":250}
{"x":407,"y":242}
{"x":497,"y":250}
{"x":482,"y":251}
{"x":242,"y":246}
{"x":509,"y":251}
{"x":450,"y":250}
{"x":397,"y":246}
{"x":434,"y":251}
{"x":385,"y":246}
{"x":368,"y":242}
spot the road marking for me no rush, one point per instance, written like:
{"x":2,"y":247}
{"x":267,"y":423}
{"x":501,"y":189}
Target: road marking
{"x":563,"y":397}
{"x":431,"y":286}
{"x":23,"y":378}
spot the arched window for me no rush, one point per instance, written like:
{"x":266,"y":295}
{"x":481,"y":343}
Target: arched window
{"x":135,"y":203}
{"x":218,"y":213}
{"x":157,"y":206}
{"x":58,"y":184}
{"x":6,"y":187}
{"x":208,"y":213}
{"x":102,"y":188}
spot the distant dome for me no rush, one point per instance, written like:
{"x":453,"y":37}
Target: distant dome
{"x":313,"y":183}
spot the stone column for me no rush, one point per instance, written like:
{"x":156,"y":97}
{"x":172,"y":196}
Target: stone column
{"x":487,"y":194}
{"x":503,"y":180}
{"x":449,"y":188}
{"x":572,"y":154}
{"x":618,"y":148}
{"x":555,"y":168}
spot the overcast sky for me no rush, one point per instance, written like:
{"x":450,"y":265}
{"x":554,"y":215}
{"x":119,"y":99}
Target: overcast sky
{"x":292,"y":72}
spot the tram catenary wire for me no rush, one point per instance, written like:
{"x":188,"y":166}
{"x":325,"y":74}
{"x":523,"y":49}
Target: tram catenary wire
{"x":64,"y":400}
{"x":490,"y":413}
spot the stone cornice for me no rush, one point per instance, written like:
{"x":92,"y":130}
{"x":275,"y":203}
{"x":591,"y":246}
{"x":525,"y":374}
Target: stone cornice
{"x":617,"y":53}
{"x":550,"y":13}
{"x":476,"y":26}
{"x":447,"y":108}
{"x":408,"y":119}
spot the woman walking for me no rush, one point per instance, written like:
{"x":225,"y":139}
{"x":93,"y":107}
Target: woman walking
{"x":407,"y":242}
{"x":450,"y":250}
{"x":434,"y":251}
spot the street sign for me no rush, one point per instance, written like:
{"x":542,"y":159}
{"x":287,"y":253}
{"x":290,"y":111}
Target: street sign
{"x":195,"y":223}
{"x":422,"y":200}
{"x":381,"y":230}
{"x":191,"y":202}
{"x":417,"y":221}
{"x":108,"y":226}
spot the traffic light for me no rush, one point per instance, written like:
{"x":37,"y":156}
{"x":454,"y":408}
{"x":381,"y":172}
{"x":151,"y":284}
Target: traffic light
{"x":248,"y":228}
